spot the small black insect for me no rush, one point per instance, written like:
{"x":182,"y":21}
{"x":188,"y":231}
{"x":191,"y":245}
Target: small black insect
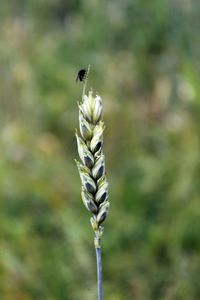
{"x":81,"y":75}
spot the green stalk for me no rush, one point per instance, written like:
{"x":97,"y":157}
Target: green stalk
{"x":99,"y":269}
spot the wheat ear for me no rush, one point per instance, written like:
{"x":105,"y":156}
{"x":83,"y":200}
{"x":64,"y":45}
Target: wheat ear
{"x":92,"y":169}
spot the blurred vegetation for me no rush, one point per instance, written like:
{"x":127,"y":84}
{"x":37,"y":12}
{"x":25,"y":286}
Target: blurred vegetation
{"x":145,"y":58}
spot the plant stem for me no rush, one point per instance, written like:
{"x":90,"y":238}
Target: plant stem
{"x":99,"y":268}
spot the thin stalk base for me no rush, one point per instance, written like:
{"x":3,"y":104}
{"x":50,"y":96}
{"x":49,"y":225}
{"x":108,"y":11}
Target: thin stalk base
{"x":99,"y":270}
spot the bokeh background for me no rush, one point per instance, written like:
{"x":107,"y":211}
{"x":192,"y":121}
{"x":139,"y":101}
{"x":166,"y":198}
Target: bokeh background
{"x":145,"y":63}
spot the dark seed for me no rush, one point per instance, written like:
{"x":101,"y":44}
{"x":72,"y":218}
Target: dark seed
{"x":90,"y":188}
{"x":100,"y":172}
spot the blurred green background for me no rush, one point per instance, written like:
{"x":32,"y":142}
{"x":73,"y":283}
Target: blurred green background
{"x":145,"y":63}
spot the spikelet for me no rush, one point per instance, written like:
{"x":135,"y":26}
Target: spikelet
{"x":92,"y":169}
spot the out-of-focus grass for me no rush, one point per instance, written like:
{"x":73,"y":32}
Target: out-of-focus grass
{"x":145,"y":63}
